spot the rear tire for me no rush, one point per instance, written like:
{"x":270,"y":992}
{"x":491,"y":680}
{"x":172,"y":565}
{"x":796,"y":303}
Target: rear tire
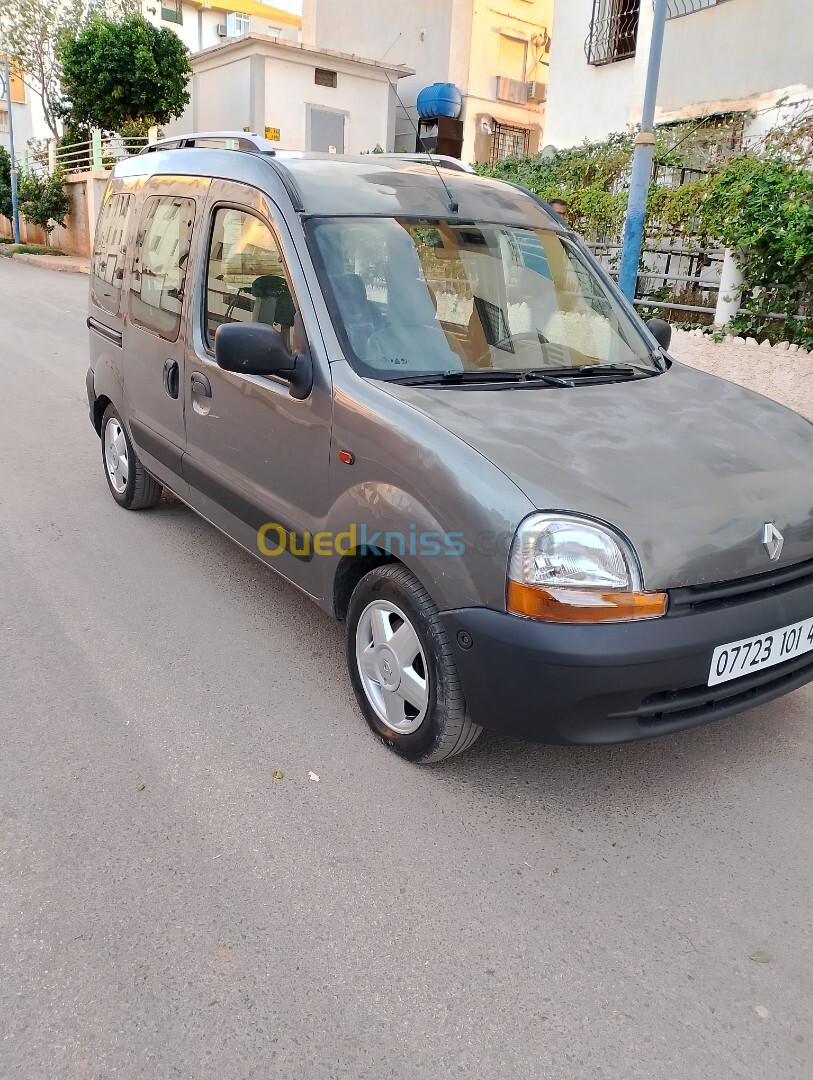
{"x":130,"y":484}
{"x":402,"y":668}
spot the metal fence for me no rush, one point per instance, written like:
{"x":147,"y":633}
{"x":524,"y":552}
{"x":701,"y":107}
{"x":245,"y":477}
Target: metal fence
{"x":99,"y":152}
{"x":677,"y":277}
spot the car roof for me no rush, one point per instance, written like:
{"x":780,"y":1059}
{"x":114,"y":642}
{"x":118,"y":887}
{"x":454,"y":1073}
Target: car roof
{"x":368,"y":185}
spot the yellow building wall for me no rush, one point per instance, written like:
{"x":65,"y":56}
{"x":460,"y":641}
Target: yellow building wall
{"x":17,"y":84}
{"x":512,"y":39}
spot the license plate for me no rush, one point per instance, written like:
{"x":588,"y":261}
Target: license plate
{"x":755,"y":653}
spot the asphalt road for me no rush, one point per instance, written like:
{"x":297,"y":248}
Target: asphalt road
{"x":169,"y":909}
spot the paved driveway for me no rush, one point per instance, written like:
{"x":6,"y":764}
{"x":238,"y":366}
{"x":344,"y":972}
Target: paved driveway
{"x":521,"y":912}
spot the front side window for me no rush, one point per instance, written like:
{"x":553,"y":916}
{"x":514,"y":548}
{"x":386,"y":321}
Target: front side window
{"x":246,"y":277}
{"x":435,"y":297}
{"x":110,"y":254}
{"x":160,"y":264}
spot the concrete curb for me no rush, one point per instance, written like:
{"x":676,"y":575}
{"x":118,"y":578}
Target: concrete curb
{"x":69,"y":264}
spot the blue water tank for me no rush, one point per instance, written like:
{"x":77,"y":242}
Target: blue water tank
{"x":440,"y":99}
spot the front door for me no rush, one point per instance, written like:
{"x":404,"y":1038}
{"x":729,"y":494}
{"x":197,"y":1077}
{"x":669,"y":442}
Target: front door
{"x":326,"y":130}
{"x":255,"y":456}
{"x":154,"y":334}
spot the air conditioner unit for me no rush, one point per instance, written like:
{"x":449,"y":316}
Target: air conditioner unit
{"x":537,"y":92}
{"x":512,"y":90}
{"x":222,"y":30}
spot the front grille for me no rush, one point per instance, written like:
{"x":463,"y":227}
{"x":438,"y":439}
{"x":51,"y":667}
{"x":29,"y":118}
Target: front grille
{"x":703,"y":702}
{"x":725,"y":593}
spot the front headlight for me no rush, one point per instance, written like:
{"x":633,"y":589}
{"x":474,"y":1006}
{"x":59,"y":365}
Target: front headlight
{"x":567,"y":569}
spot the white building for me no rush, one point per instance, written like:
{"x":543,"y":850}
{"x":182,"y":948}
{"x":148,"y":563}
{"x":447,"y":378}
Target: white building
{"x":27,"y":116}
{"x":300,"y":97}
{"x":720,"y":57}
{"x":200,"y":24}
{"x":495,"y":53}
{"x":203,"y":23}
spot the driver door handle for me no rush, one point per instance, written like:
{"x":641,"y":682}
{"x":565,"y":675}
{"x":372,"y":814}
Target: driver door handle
{"x":201,"y":385}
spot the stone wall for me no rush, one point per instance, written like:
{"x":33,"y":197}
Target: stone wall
{"x":86,"y":191}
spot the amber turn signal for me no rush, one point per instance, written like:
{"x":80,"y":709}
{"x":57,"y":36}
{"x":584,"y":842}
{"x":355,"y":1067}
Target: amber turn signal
{"x":583,"y":605}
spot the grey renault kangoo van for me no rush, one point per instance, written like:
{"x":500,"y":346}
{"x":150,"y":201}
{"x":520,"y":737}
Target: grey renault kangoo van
{"x":414,"y":393}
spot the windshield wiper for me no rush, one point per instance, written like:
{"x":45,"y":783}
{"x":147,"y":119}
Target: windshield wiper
{"x":553,"y":376}
{"x":588,"y":371}
{"x":437,"y":378}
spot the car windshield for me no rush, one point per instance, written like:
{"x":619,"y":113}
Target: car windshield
{"x":412,"y":298}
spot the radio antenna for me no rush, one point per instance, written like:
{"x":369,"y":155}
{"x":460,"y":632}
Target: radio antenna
{"x":451,"y":202}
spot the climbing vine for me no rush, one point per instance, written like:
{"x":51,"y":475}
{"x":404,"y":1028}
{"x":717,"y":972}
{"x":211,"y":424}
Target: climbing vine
{"x":760,"y":206}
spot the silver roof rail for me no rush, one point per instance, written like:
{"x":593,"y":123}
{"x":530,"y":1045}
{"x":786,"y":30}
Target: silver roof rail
{"x":443,"y":161}
{"x":240,"y":140}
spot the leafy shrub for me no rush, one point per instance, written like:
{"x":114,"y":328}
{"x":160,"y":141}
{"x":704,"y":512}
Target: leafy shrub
{"x":44,"y":200}
{"x":762,"y":208}
{"x":5,"y":183}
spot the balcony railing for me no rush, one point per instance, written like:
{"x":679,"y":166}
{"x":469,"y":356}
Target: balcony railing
{"x":676,"y":8}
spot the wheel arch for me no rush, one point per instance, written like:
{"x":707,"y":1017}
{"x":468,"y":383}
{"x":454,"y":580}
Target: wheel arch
{"x":350,"y":569}
{"x":100,"y":405}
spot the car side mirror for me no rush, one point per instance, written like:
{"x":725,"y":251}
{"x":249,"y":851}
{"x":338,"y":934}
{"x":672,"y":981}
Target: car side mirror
{"x":259,"y":349}
{"x":661,"y":331}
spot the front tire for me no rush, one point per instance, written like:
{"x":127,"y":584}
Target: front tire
{"x":402,"y":668}
{"x":130,"y":484}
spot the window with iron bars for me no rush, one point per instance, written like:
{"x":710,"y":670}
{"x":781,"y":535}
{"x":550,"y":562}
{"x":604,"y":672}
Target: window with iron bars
{"x":508,"y":142}
{"x":613,"y":31}
{"x":676,"y":8}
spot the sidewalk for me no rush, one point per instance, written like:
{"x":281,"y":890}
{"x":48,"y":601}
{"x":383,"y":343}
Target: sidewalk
{"x":71,"y":264}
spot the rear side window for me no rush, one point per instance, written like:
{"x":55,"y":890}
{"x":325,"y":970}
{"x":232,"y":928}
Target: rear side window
{"x":160,"y":264}
{"x":246,"y":277}
{"x":110,"y":253}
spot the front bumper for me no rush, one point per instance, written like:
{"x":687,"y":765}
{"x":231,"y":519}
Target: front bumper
{"x":585,"y":684}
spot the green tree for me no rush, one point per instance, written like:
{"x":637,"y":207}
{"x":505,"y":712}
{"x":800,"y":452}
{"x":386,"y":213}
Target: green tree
{"x":5,"y":183}
{"x":118,"y":73}
{"x":30,"y":31}
{"x":44,"y":200}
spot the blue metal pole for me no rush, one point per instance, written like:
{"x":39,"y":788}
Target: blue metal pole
{"x":642,"y":163}
{"x":14,"y":209}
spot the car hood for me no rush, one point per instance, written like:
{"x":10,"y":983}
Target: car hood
{"x":688,"y":466}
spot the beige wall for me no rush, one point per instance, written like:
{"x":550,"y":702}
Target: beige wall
{"x":417,"y":34}
{"x":529,"y":21}
{"x":736,"y":51}
{"x":738,"y":55}
{"x":442,"y":40}
{"x":86,"y":191}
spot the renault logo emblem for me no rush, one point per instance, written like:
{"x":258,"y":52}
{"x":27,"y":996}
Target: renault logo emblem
{"x":773,"y":540}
